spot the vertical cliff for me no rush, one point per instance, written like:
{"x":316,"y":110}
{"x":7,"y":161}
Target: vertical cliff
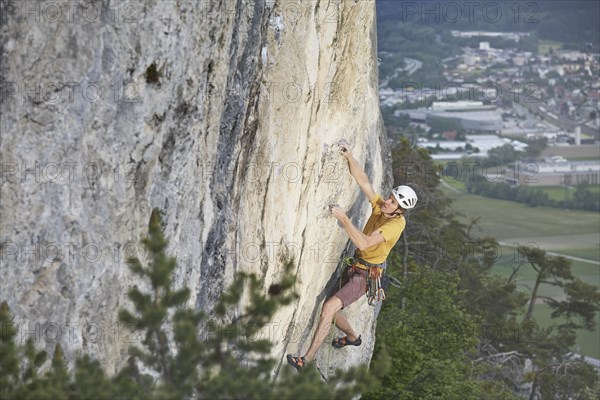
{"x":225,"y":114}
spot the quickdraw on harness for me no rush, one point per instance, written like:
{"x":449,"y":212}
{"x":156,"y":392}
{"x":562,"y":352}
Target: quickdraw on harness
{"x":375,"y":292}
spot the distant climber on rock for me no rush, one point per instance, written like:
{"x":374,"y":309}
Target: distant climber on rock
{"x":374,"y":243}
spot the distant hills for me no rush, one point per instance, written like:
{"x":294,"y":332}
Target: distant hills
{"x":573,"y":22}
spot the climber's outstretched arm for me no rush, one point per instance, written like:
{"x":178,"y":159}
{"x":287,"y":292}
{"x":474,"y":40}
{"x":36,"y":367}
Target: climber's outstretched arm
{"x":357,"y":173}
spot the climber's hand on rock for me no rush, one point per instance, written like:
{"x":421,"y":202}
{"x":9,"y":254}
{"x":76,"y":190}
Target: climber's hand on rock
{"x":346,"y":150}
{"x":338,"y":213}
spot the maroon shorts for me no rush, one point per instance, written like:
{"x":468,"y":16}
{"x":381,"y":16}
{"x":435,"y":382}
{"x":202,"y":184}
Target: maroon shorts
{"x":354,"y":285}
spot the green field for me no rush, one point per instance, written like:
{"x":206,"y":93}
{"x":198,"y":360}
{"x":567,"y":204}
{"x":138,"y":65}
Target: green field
{"x":507,"y":220}
{"x":570,"y":233}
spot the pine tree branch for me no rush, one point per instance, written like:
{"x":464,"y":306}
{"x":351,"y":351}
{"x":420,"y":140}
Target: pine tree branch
{"x":555,"y":283}
{"x":546,"y":298}
{"x":501,"y":357}
{"x":394,"y":281}
{"x":533,"y":266}
{"x":514,"y":273}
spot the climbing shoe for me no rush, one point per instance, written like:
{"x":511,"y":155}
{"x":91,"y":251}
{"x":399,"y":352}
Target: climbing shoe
{"x":296,"y":362}
{"x":344,"y":341}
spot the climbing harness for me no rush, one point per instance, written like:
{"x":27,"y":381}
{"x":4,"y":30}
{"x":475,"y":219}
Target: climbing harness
{"x":375,"y":293}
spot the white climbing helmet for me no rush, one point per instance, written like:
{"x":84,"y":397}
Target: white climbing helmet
{"x":405,"y":196}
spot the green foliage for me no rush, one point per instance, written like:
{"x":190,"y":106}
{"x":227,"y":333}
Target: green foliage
{"x":444,"y":271}
{"x":500,"y":190}
{"x":19,"y":365}
{"x":504,"y":154}
{"x":444,"y":250}
{"x":583,"y":199}
{"x":535,"y":146}
{"x":428,"y":335}
{"x":413,"y":41}
{"x":9,"y":356}
{"x":567,"y":379}
{"x":402,"y":121}
{"x":440,"y":124}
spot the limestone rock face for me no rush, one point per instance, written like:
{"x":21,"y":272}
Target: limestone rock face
{"x":224,"y":114}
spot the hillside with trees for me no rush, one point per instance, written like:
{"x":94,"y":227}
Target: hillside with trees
{"x":454,"y":330}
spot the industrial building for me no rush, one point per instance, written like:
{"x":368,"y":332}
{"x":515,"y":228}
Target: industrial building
{"x":450,"y":149}
{"x":554,"y":173}
{"x":476,"y":121}
{"x":469,"y":115}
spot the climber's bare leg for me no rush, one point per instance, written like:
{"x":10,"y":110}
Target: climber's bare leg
{"x":330,"y":308}
{"x":342,"y":323}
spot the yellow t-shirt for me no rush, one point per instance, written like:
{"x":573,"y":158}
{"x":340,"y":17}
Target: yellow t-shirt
{"x":390,"y":228}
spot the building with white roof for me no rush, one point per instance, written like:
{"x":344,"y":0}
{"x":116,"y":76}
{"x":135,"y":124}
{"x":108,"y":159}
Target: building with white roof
{"x":482,"y":142}
{"x":470,"y":115}
{"x":558,"y":172}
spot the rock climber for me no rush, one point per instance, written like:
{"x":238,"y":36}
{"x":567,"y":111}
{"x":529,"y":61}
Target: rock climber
{"x":374,"y":243}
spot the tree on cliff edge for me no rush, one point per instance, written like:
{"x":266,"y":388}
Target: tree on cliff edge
{"x":438,"y":247}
